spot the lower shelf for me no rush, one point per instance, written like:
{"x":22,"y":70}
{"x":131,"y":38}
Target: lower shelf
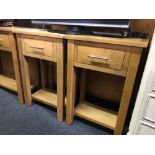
{"x":8,"y":83}
{"x":46,"y":96}
{"x":96,"y":114}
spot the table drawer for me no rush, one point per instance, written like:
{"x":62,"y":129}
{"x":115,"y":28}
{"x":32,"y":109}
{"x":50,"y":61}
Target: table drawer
{"x":4,"y":42}
{"x":38,"y":46}
{"x":103,"y":56}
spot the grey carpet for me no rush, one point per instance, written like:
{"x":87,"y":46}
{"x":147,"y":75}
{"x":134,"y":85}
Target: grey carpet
{"x":17,"y":119}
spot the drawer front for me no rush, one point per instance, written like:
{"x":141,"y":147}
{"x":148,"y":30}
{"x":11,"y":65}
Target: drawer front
{"x":4,"y":41}
{"x":101,"y":56}
{"x":150,"y":109}
{"x":38,"y":47}
{"x":146,"y":129}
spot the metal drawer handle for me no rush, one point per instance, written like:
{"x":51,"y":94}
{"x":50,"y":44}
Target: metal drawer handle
{"x":95,"y":57}
{"x":36,"y":47}
{"x":151,"y":126}
{"x":152,"y":95}
{"x":148,"y":119}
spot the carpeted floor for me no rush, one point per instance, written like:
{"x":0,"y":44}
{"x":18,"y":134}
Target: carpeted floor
{"x":16,"y":119}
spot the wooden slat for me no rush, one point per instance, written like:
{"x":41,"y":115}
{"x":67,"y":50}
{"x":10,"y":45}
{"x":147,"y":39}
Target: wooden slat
{"x":39,"y":57}
{"x":42,"y":73}
{"x":83,"y":85}
{"x":46,"y":96}
{"x":96,"y":114}
{"x":101,"y":69}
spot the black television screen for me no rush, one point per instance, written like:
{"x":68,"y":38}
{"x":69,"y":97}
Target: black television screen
{"x":108,"y":23}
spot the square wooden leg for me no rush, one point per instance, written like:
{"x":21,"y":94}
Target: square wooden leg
{"x":71,"y":82}
{"x":17,"y":69}
{"x":25,"y":74}
{"x":60,"y":80}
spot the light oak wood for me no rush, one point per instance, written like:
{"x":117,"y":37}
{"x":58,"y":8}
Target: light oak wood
{"x":17,"y":69}
{"x":46,"y":96}
{"x":5,"y":44}
{"x":102,"y":55}
{"x":128,"y":87}
{"x":136,"y":42}
{"x":60,"y":80}
{"x":24,"y":73}
{"x":10,"y":65}
{"x":76,"y":45}
{"x":116,"y":41}
{"x":41,"y":46}
{"x":100,"y":69}
{"x":31,"y":31}
{"x":127,"y":72}
{"x":8,"y":83}
{"x":96,"y":114}
{"x":71,"y":83}
{"x":108,"y":58}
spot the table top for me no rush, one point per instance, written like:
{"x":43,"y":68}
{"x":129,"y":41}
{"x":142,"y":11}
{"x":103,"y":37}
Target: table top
{"x":136,"y":42}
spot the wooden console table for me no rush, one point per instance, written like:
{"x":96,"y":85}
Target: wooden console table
{"x":10,"y":75}
{"x":45,"y":48}
{"x":118,"y":57}
{"x":39,"y":49}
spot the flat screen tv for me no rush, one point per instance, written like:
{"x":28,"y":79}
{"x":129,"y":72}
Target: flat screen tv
{"x":104,"y":23}
{"x":80,"y":26}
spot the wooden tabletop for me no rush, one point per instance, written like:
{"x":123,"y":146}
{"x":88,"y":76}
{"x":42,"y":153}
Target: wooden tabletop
{"x":32,"y":31}
{"x":136,"y":42}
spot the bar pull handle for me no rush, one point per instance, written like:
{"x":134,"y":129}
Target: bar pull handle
{"x":151,"y":126}
{"x":95,"y":57}
{"x":34,"y":47}
{"x":149,"y":119}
